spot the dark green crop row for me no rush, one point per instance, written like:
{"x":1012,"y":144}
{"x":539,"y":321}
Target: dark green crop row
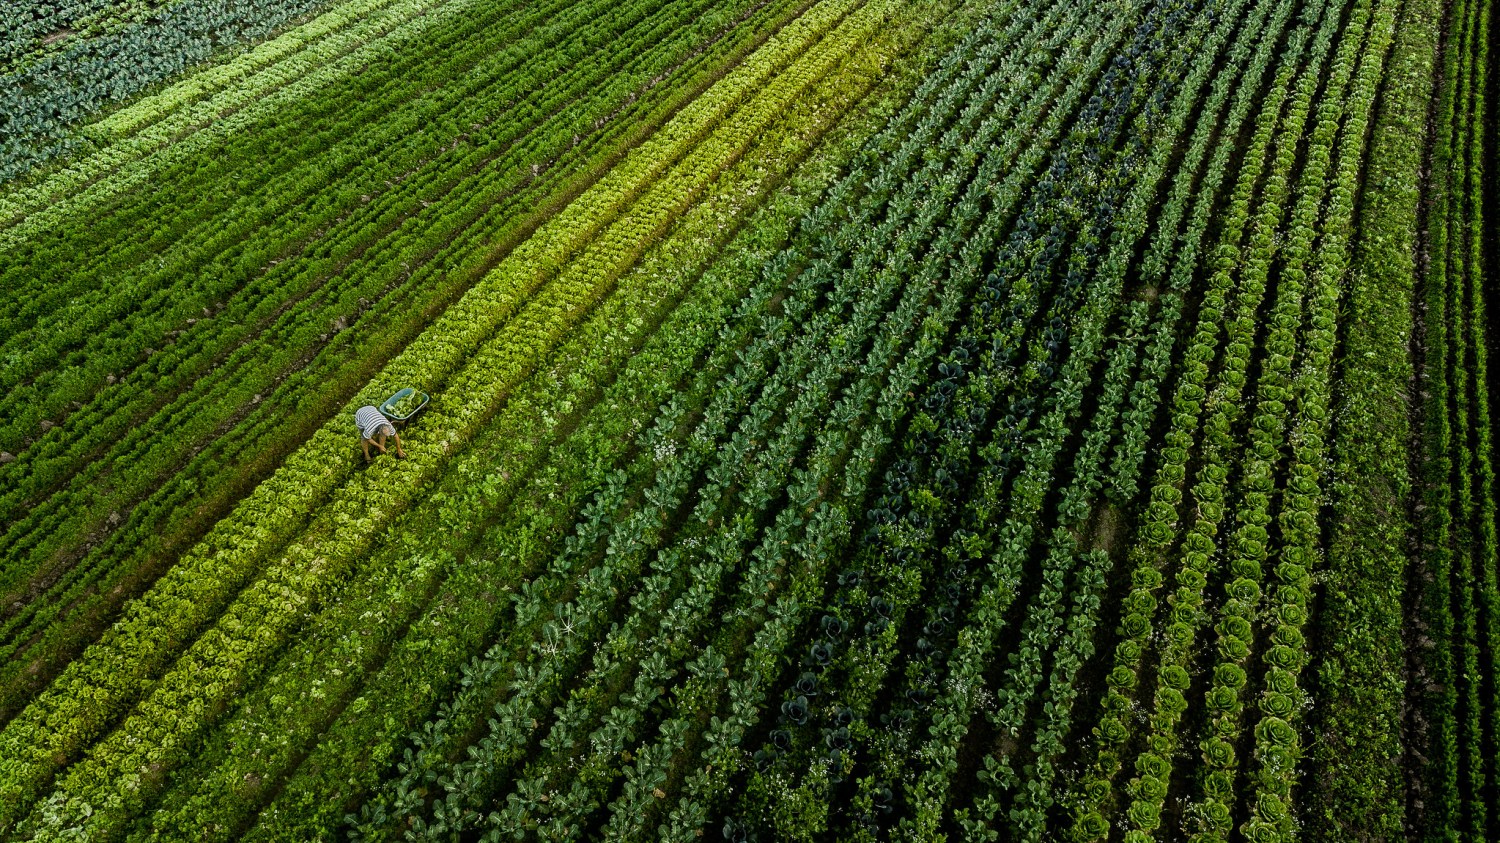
{"x":1456,"y":528}
{"x":407,"y":682}
{"x":843,"y":664}
{"x":1357,"y":779}
{"x":315,"y":323}
{"x":136,"y":142}
{"x":203,"y":344}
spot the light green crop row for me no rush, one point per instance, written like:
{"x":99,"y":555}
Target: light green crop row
{"x":1159,"y":522}
{"x":1249,"y":546}
{"x":1276,"y":759}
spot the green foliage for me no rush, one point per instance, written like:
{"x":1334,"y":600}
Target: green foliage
{"x":101,"y":62}
{"x":856,"y":420}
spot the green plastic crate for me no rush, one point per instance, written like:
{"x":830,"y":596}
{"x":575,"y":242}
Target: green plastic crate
{"x":404,"y":397}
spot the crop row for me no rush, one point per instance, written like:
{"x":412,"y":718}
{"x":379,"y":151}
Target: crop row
{"x":1356,"y":778}
{"x":184,"y":358}
{"x":556,"y":131}
{"x":656,"y":758}
{"x":508,"y":32}
{"x":1457,"y":529}
{"x":647,"y":378}
{"x":96,"y":332}
{"x":807,"y":552}
{"x":783,"y":81}
{"x":825,"y":392}
{"x":79,"y":314}
{"x":28,"y":29}
{"x":1111,"y":732}
{"x":1280,"y":700}
{"x":879,"y":621}
{"x":369,"y":287}
{"x":1173,"y":254}
{"x":845,"y":652}
{"x":667,"y":626}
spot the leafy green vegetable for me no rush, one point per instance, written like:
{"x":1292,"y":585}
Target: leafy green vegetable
{"x":406,"y":405}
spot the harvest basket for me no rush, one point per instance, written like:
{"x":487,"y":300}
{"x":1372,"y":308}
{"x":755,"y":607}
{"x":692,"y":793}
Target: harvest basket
{"x":404,"y":405}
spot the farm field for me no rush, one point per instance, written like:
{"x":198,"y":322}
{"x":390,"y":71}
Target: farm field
{"x":858,"y":420}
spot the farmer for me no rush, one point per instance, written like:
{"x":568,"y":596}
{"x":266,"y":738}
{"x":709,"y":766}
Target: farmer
{"x":373,"y":429}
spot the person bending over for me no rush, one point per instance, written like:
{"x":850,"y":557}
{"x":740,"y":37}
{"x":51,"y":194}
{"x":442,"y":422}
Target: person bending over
{"x":373,"y":430}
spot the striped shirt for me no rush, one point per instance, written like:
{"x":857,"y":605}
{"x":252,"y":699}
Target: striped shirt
{"x":369,"y":421}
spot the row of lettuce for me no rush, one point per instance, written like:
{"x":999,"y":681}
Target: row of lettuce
{"x":196,"y":423}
